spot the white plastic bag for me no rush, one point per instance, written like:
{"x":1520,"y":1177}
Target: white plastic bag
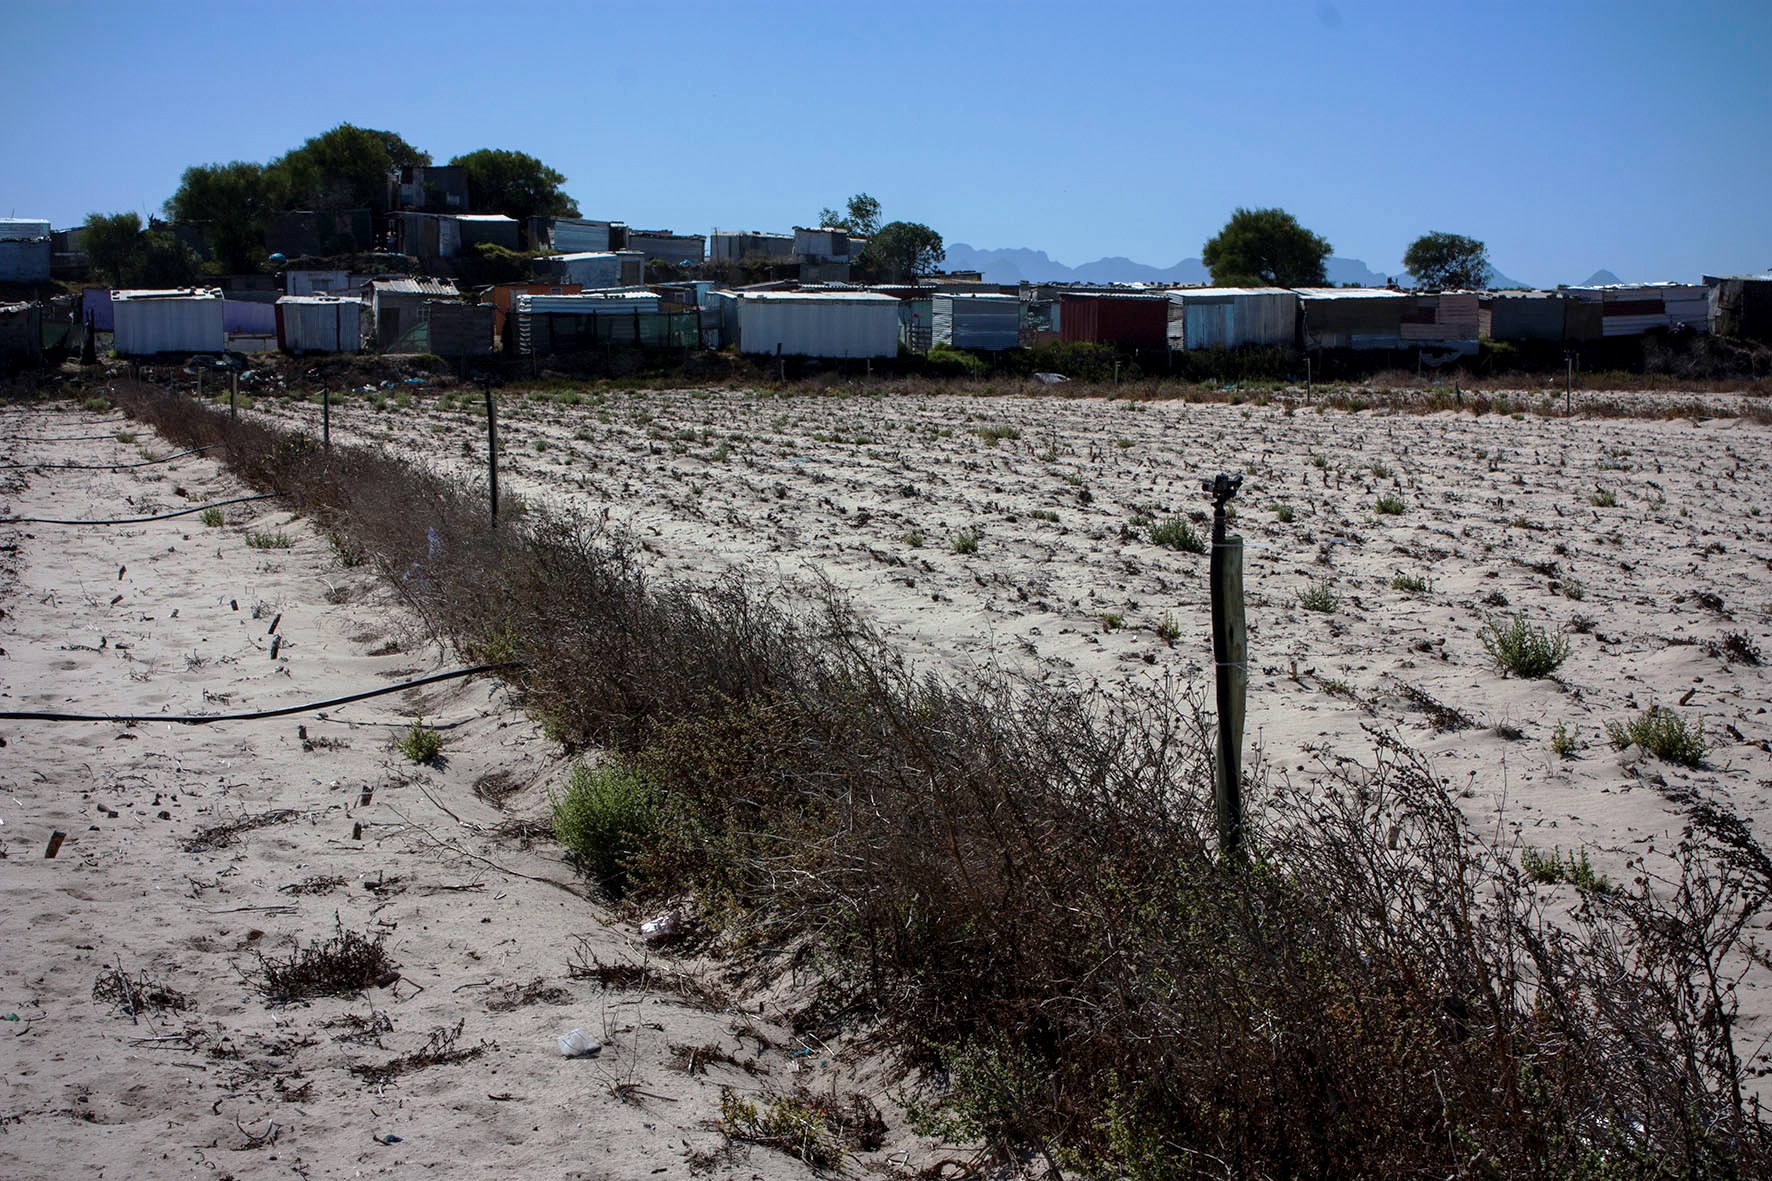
{"x":579,"y":1044}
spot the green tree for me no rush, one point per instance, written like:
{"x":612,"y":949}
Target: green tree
{"x":515,"y":184}
{"x":113,"y":244}
{"x":1266,"y":246}
{"x":345,"y":168}
{"x":902,"y":250}
{"x":862,"y":219}
{"x":1441,"y":260}
{"x":233,"y":203}
{"x":165,"y":261}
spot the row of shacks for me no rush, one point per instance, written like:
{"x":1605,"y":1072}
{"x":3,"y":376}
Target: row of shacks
{"x":590,"y":308}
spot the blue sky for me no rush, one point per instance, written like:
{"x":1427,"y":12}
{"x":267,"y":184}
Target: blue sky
{"x":1567,"y":135}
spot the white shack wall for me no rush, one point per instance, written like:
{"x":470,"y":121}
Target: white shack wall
{"x":838,"y":328}
{"x":148,"y":326}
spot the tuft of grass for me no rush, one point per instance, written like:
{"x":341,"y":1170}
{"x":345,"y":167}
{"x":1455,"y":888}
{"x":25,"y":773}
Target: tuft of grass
{"x":913,"y":539}
{"x":1572,"y":869}
{"x":1112,"y":621}
{"x":346,"y":963}
{"x":996,"y":433}
{"x":211,"y":518}
{"x":1319,"y":596}
{"x":420,"y":743}
{"x":788,"y":1123}
{"x":1178,"y":533}
{"x":1168,"y":630}
{"x":966,"y":540}
{"x":1563,"y":742}
{"x":1574,"y":590}
{"x":96,"y":405}
{"x":1663,"y":733}
{"x":1604,"y":498}
{"x":126,"y":436}
{"x":1044,"y":514}
{"x":1413,"y":584}
{"x":277,"y":540}
{"x":1389,"y":505}
{"x":607,"y":815}
{"x":1283,"y":513}
{"x":1523,"y":648}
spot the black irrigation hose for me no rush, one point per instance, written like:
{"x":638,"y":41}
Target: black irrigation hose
{"x":103,"y":467}
{"x":64,"y":438}
{"x":183,"y":512}
{"x":255,"y":715}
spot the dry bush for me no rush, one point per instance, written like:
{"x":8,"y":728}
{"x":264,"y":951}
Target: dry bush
{"x":1020,"y":884}
{"x":343,"y":964}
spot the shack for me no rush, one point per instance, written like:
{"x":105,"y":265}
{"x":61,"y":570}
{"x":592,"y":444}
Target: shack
{"x":575,"y":235}
{"x":1352,"y":317}
{"x":1520,"y":317}
{"x":989,"y":323}
{"x":21,"y":336}
{"x":319,"y":324}
{"x":592,"y":269}
{"x":544,"y":324}
{"x":25,"y":250}
{"x":185,"y":320}
{"x":834,"y":325}
{"x":304,"y":232}
{"x":1446,"y":318}
{"x":1125,"y":319}
{"x":431,"y":236}
{"x":1633,"y":309}
{"x":397,"y":307}
{"x":663,"y":246}
{"x":503,"y":297}
{"x":1232,"y":317}
{"x":1741,"y":305}
{"x":754,"y":245}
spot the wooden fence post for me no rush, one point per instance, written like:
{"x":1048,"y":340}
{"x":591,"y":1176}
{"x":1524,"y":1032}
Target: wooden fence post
{"x":491,"y":450}
{"x":326,"y":415}
{"x":1230,"y":655}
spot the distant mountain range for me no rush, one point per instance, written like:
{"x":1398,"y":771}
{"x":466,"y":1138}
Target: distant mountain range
{"x":1025,"y":265}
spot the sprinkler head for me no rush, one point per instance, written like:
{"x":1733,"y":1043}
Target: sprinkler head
{"x":1221,"y":487}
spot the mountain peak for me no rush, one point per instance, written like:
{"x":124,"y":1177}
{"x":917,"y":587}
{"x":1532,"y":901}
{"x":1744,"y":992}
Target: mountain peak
{"x":1600,"y":278}
{"x":1027,"y":265}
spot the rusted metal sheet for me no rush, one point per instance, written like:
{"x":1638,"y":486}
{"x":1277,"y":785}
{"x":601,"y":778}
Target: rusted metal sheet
{"x":1129,"y":321}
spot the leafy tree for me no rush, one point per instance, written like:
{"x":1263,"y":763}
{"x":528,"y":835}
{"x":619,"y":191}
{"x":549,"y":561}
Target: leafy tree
{"x":165,"y":261}
{"x":515,"y":184}
{"x":233,"y":203}
{"x":345,"y":168}
{"x":902,"y":250}
{"x":862,"y":219}
{"x":1443,"y":260}
{"x":1266,"y":246}
{"x":113,"y":245}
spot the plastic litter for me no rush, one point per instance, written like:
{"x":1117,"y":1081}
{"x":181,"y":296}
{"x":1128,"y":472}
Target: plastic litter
{"x":661,"y":927}
{"x":579,"y":1044}
{"x":1051,"y":378}
{"x":390,"y":1138}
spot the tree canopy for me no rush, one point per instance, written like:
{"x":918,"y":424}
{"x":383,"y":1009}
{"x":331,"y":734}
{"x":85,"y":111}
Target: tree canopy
{"x":234,"y":203}
{"x":902,"y":250}
{"x":1266,"y":246}
{"x":1443,"y":260}
{"x":345,"y":168}
{"x":862,"y":218}
{"x":120,"y":249}
{"x":515,"y":184}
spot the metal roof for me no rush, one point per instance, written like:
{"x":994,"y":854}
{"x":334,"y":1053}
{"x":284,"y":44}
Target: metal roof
{"x":415,"y":285}
{"x":172,"y":293}
{"x":481,"y":217}
{"x":817,"y":297}
{"x":1352,"y":293}
{"x":1216,"y":292}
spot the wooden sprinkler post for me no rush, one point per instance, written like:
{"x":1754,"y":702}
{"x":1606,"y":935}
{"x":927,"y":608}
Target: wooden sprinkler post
{"x":491,"y":449}
{"x":1568,"y":384}
{"x":233,"y":395}
{"x":326,"y":415}
{"x":1230,"y":655}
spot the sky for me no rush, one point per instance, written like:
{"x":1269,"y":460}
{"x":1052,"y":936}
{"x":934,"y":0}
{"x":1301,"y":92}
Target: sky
{"x":1567,"y":135}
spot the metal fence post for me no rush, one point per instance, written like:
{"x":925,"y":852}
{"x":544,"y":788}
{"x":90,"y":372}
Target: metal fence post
{"x":1230,"y":655}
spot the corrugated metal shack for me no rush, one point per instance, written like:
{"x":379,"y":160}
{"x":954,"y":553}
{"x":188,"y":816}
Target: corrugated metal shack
{"x":437,"y":187}
{"x":438,"y":235}
{"x":1232,"y":317}
{"x":1632,"y":309}
{"x":1446,"y":319}
{"x":397,"y":306}
{"x":727,"y":247}
{"x":25,"y":250}
{"x":95,"y":305}
{"x":21,"y":336}
{"x":322,"y":232}
{"x":836,"y":325}
{"x":456,"y":329}
{"x":575,"y":235}
{"x":677,"y":249}
{"x":317,"y":282}
{"x":1128,"y":320}
{"x":1521,"y":316}
{"x":593,"y":269}
{"x":187,"y":320}
{"x":504,"y":295}
{"x":549,"y":324}
{"x":1352,"y":317}
{"x":1741,"y":305}
{"x":319,"y":324}
{"x":989,"y":323}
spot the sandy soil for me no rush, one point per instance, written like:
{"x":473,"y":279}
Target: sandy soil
{"x":192,"y":852}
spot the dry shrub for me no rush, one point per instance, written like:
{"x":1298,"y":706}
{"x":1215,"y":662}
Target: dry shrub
{"x":343,"y":964}
{"x":1019,"y":883}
